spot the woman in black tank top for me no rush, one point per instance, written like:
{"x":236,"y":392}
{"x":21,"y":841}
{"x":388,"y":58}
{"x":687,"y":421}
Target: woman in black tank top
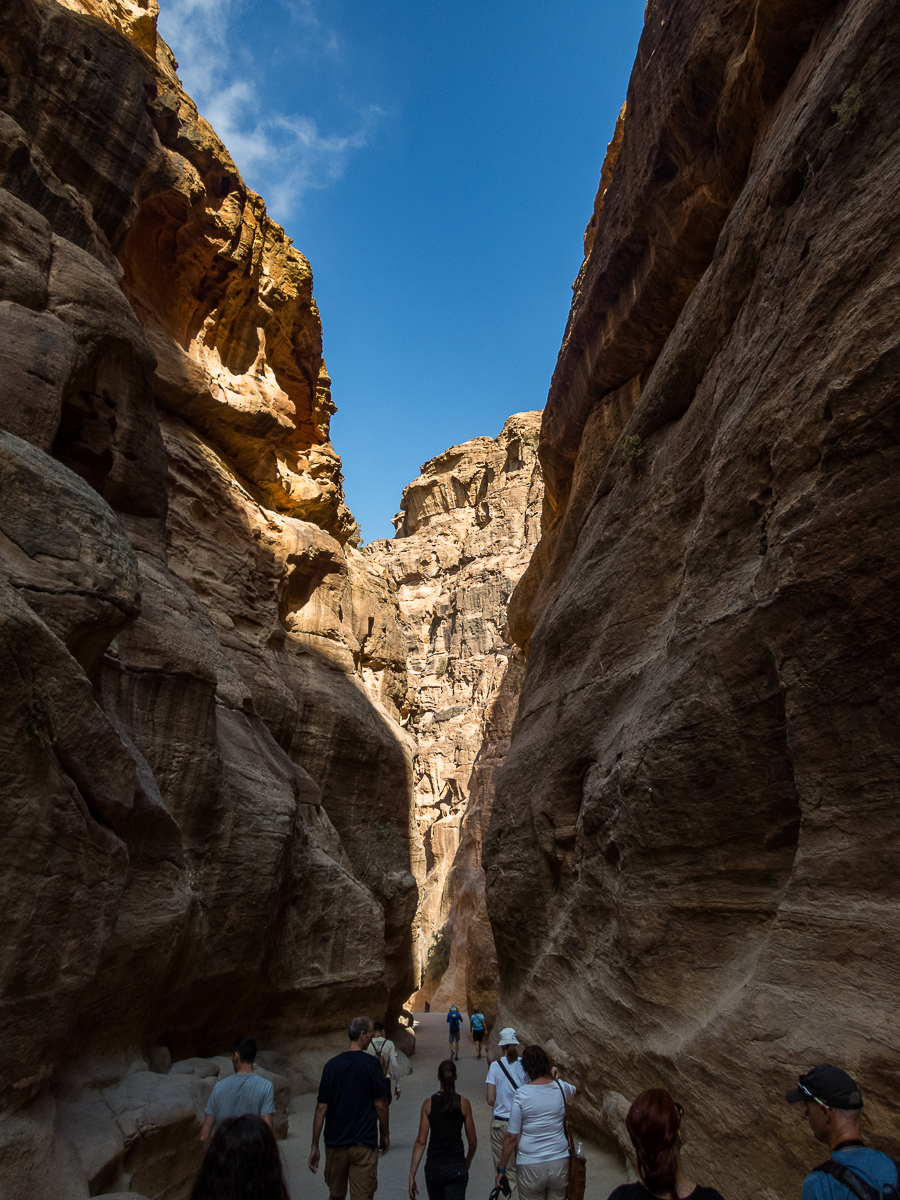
{"x":444,"y":1116}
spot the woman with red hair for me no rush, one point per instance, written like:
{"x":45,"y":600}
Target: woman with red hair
{"x":654,"y":1126}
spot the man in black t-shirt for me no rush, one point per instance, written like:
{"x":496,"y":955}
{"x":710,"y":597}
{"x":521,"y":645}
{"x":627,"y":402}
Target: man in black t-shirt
{"x":352,"y":1104}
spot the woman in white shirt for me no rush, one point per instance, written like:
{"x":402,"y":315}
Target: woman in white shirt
{"x":536,"y":1133}
{"x":504,"y":1078}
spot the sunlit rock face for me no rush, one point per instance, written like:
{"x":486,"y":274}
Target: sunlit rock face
{"x":464,"y":536}
{"x":693,"y":851}
{"x":201,"y":676}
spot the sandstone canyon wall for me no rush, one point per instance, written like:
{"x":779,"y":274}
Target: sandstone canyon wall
{"x":202,"y":677}
{"x":465,"y":533}
{"x":693,"y":853}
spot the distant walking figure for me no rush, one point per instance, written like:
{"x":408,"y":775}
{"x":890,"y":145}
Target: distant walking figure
{"x":352,"y":1105}
{"x":241,"y":1093}
{"x":476,"y":1024}
{"x":832,"y":1104}
{"x":242,"y":1163}
{"x":444,"y":1115}
{"x":536,"y":1132}
{"x":654,"y":1126}
{"x":454,"y":1020}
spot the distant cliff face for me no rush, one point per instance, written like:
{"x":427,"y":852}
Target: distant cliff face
{"x":201,"y":677}
{"x":467,"y":528}
{"x":693,"y":851}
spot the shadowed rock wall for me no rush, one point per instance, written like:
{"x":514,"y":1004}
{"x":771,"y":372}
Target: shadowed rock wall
{"x":464,"y":536}
{"x":693,"y":852}
{"x":189,"y":643}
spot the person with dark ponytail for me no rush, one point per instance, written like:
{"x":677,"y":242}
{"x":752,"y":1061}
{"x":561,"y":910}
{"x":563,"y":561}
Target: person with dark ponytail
{"x":242,"y":1163}
{"x":654,"y":1126}
{"x":444,"y":1115}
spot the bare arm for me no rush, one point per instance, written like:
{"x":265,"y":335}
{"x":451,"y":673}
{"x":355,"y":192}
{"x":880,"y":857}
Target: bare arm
{"x":269,"y":1119}
{"x":206,"y":1129}
{"x":318,"y":1122}
{"x":419,"y":1148}
{"x":383,"y":1114}
{"x":471,"y":1135}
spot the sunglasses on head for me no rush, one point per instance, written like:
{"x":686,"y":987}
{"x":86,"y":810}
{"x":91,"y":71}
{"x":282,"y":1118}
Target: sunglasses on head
{"x":806,"y":1092}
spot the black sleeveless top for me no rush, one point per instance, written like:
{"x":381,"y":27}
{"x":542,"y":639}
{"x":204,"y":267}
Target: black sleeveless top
{"x":445,"y":1155}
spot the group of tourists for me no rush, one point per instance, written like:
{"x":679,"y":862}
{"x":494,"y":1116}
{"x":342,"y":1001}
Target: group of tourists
{"x":528,"y":1135}
{"x":533,"y":1152}
{"x":530,"y":1142}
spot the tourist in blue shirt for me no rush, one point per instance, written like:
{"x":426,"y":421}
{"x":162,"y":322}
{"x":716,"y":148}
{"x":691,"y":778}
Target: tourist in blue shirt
{"x":833,"y":1103}
{"x":241,"y":1093}
{"x":476,"y":1024}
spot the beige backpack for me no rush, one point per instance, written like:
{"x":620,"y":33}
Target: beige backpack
{"x":379,"y":1054}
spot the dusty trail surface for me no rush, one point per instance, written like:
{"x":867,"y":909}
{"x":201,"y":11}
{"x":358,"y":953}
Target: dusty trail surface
{"x":604,"y":1171}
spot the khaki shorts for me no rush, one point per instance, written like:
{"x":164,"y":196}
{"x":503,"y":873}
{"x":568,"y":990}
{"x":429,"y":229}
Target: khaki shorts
{"x":543,"y":1180}
{"x":353,"y":1165}
{"x":498,"y":1134}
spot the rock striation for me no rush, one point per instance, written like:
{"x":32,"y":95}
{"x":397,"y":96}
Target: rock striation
{"x":692,"y":855}
{"x":202,"y":675}
{"x":465,"y":532}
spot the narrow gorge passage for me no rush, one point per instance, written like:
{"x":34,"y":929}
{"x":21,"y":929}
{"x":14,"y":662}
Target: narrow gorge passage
{"x":465,"y":533}
{"x":603,"y":742}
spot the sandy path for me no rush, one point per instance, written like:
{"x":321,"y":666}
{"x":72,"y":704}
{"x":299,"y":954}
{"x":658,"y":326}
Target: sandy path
{"x":604,"y":1172}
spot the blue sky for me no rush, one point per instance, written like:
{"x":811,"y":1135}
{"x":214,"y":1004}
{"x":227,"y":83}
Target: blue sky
{"x":437,"y":164}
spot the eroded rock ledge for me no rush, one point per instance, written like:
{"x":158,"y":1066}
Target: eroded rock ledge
{"x":692,"y":856}
{"x":188,"y":641}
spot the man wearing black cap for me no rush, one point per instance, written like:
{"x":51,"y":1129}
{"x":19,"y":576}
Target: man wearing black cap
{"x":833,"y":1103}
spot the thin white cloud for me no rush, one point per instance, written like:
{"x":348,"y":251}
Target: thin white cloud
{"x":197,"y":31}
{"x":282,"y":155}
{"x":305,"y":13}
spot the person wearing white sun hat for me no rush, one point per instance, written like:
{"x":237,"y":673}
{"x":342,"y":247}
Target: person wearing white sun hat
{"x":504,"y":1078}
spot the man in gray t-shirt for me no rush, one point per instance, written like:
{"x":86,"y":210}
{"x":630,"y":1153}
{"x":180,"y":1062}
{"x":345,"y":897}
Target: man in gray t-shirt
{"x":240,"y":1093}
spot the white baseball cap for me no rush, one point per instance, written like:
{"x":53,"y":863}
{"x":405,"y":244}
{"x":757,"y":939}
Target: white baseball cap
{"x":508,"y":1037}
